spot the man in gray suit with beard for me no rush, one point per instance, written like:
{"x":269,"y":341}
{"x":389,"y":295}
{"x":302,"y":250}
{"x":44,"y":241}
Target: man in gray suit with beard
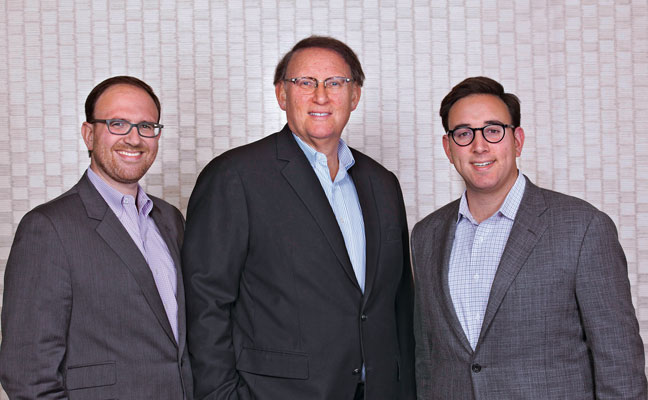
{"x":93,"y":299}
{"x":521,"y":292}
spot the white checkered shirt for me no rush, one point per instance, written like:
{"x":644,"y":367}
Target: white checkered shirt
{"x":476,"y":252}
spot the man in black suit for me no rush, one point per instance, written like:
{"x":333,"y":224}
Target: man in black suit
{"x":296,"y":253}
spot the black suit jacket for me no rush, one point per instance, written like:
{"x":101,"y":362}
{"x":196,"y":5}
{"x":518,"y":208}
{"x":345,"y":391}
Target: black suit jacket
{"x":82,"y":317}
{"x":274,"y":310}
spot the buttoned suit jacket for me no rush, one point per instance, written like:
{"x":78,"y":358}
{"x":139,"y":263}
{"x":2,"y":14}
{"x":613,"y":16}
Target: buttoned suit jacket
{"x":274,"y":310}
{"x":81,"y":316}
{"x":559,"y":323}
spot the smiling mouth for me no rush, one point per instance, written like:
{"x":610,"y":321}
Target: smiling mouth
{"x":129,"y":153}
{"x":319,"y":114}
{"x":482,"y":164}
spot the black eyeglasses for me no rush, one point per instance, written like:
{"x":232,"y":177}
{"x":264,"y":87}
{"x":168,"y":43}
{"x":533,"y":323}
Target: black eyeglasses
{"x":308,"y":85}
{"x":123,"y":127}
{"x":492,"y":133}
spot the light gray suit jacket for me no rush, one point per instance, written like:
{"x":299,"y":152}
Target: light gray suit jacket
{"x":82,"y":317}
{"x":559,"y":322}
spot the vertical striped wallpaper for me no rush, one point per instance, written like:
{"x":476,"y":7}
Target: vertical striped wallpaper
{"x":580,"y":68}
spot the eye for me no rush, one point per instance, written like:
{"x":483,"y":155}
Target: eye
{"x":305,"y":83}
{"x":117,"y":123}
{"x":146,"y":126}
{"x":462,"y":133}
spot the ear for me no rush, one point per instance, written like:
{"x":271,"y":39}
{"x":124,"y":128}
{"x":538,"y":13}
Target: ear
{"x":518,"y":136}
{"x":446,"y":147}
{"x":87,"y":131}
{"x":280,"y":92}
{"x":355,"y":96}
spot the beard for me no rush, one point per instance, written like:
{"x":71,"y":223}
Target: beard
{"x":119,"y":170}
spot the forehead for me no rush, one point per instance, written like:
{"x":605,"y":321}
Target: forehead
{"x":477,"y":109}
{"x":315,"y":60}
{"x":125,"y":98}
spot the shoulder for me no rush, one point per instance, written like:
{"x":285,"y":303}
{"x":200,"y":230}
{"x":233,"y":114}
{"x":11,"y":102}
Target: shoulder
{"x":561,"y":206}
{"x":248,"y":153}
{"x":66,"y":206}
{"x":436,"y":218}
{"x":165,"y":208}
{"x":367,"y":164}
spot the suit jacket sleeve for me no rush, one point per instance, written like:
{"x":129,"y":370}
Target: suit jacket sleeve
{"x":611,"y":328}
{"x":214,"y":253}
{"x":404,"y":312}
{"x":36,"y":312}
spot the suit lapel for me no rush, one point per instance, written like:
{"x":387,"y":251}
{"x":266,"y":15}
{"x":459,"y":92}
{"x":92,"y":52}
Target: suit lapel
{"x":443,"y":240}
{"x":300,"y":175}
{"x":116,"y":236}
{"x":367,"y":199}
{"x":525,"y":233}
{"x":174,"y":249}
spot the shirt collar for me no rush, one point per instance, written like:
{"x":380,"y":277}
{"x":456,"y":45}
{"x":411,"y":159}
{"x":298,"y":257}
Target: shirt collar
{"x":116,"y":199}
{"x":344,"y":153}
{"x":509,"y":207}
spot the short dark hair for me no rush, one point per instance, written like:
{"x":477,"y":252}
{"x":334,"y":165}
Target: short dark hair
{"x":479,"y":85}
{"x":323,"y":42}
{"x":98,"y":90}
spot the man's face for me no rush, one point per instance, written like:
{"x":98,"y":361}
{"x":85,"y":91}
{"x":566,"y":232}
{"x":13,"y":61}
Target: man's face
{"x":121,"y":160}
{"x":321,"y":115}
{"x":487,"y":168}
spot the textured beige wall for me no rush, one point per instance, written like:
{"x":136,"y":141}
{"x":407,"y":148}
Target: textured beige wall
{"x":580,"y":68}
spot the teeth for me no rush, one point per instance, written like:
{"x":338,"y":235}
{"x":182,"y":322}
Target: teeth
{"x":483,"y":164}
{"x":318,"y":114}
{"x":128,"y":153}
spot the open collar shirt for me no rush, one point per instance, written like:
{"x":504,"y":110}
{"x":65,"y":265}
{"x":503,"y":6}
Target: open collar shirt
{"x":343,"y":198}
{"x":476,"y":252}
{"x":134,"y":215}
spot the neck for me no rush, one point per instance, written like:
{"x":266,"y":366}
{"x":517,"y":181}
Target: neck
{"x":328,"y":147}
{"x":483,"y":205}
{"x":123,"y":188}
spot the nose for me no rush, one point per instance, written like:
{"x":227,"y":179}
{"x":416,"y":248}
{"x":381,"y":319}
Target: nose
{"x":479,"y":144}
{"x":133,"y":138}
{"x":320,"y":95}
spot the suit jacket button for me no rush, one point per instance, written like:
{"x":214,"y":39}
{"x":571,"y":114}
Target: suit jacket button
{"x":356,"y":371}
{"x":363,"y":317}
{"x":476,"y":368}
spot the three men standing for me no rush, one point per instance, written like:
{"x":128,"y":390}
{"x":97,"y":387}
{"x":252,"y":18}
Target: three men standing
{"x":521,"y":292}
{"x":296,"y":257}
{"x":93,"y":297}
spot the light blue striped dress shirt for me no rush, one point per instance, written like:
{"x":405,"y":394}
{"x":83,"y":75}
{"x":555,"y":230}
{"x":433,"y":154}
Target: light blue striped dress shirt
{"x":343,"y":198}
{"x":476,"y":252}
{"x":142,"y":229}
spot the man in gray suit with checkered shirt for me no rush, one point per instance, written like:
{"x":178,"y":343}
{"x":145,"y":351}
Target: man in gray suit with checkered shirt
{"x":521,"y":292}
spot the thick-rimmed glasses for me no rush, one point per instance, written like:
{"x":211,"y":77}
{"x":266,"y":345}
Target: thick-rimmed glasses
{"x":308,"y":84}
{"x":123,"y":127}
{"x":492,"y":133}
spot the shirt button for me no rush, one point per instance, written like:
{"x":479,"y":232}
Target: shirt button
{"x":356,"y":371}
{"x":476,"y":368}
{"x":363,"y":317}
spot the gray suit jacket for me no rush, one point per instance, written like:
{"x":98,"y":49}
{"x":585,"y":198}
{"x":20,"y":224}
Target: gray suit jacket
{"x":82,"y":317}
{"x":559,"y":323}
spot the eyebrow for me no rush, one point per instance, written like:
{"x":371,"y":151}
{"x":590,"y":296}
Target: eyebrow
{"x":489,"y":122}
